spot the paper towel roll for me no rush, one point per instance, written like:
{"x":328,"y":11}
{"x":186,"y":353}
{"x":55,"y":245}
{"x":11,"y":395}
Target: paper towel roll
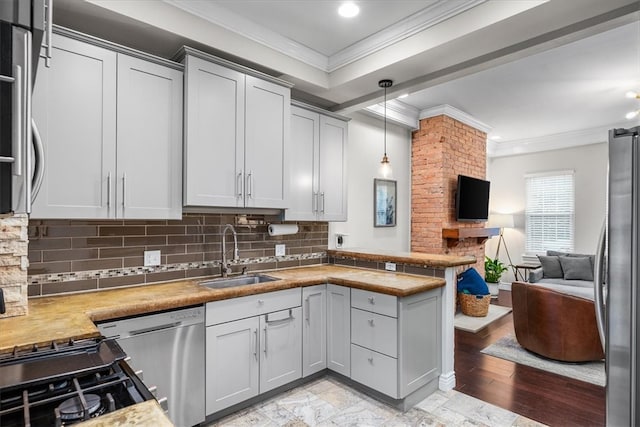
{"x":282,"y":229}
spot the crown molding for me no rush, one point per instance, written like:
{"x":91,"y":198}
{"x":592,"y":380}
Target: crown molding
{"x":437,"y":12}
{"x":224,"y":18}
{"x":454,"y":113}
{"x":397,"y":112}
{"x":432,"y":15}
{"x":556,"y":141}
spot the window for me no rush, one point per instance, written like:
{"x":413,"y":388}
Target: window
{"x":549,"y":212}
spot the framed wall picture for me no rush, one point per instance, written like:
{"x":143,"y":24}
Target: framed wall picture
{"x":384,"y":203}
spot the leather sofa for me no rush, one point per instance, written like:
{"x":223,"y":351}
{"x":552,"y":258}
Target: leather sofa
{"x":555,"y":325}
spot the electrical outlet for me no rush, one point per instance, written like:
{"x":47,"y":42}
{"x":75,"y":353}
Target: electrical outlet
{"x":151,"y":258}
{"x":390,"y":266}
{"x":280,"y":250}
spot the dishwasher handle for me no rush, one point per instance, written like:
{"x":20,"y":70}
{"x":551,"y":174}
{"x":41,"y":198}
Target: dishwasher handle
{"x":154,"y":329}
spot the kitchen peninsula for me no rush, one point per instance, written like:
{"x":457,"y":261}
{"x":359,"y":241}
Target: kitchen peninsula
{"x":72,"y":316}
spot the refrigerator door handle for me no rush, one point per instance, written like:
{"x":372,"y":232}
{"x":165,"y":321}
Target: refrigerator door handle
{"x":598,"y":283}
{"x":38,"y":173}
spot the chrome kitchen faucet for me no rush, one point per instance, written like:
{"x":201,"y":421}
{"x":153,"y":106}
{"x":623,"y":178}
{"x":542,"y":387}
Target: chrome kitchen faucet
{"x":226,"y":267}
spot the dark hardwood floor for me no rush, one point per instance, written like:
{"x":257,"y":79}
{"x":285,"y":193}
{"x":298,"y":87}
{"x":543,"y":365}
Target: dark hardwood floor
{"x":542,"y":396}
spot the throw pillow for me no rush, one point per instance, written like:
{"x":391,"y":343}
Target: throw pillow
{"x":576,"y":268}
{"x":551,"y":268}
{"x":471,"y":281}
{"x":592,"y":258}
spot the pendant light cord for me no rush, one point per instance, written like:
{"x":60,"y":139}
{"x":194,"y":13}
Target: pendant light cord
{"x":385,"y":121}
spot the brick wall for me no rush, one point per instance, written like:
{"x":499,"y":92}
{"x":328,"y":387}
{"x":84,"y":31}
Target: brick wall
{"x":13,"y":263}
{"x":441,"y":149}
{"x":79,"y":255}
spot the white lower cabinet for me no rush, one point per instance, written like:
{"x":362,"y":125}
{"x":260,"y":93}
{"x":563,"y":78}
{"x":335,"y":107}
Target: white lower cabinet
{"x":314,"y":329}
{"x":254,"y":344}
{"x":395,"y":342}
{"x":338,"y":329}
{"x":232,"y":363}
{"x":281,"y":348}
{"x":257,"y":343}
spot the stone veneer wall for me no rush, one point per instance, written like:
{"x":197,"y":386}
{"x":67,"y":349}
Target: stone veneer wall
{"x":14,"y":263}
{"x":79,"y":255}
{"x":441,"y":149}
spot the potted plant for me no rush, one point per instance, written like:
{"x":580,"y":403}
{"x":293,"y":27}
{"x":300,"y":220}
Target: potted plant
{"x":493,"y":270}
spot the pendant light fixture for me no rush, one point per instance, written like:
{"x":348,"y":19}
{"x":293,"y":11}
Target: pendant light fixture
{"x":385,"y":166}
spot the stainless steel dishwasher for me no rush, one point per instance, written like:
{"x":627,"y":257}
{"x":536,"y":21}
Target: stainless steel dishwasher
{"x":169,"y":349}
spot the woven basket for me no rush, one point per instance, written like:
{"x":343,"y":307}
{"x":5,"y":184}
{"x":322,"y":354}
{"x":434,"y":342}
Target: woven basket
{"x":474,"y":305}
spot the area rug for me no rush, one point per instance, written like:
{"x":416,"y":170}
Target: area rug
{"x":508,"y":348}
{"x":474,"y":324}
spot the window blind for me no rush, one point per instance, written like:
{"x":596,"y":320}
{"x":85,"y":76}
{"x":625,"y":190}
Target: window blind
{"x":549,"y":212}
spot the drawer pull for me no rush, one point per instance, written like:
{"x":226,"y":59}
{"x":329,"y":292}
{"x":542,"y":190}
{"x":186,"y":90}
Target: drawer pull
{"x":372,"y":300}
{"x":260,"y":301}
{"x":371,"y":322}
{"x":370,"y":359}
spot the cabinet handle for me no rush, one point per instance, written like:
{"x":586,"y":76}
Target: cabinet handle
{"x":255,"y":344}
{"x":260,"y":301}
{"x":307,"y":310}
{"x":372,"y":300}
{"x":322,"y":196}
{"x":371,"y":322}
{"x":109,"y":190}
{"x":239,"y":185}
{"x":265,"y":340}
{"x":370,"y":359}
{"x":249,"y":184}
{"x":124,"y":189}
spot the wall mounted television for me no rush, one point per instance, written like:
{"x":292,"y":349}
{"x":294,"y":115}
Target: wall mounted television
{"x":472,"y":199}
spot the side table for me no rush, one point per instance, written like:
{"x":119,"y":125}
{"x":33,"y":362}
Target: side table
{"x":526,"y":266}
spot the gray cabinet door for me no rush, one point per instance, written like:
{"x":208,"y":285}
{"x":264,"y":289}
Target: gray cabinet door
{"x":420,"y":340}
{"x":281,"y":348}
{"x":338,"y":329}
{"x":214,"y":135}
{"x":333,"y":170}
{"x":149,"y":156}
{"x":314,"y":329}
{"x":268,"y":114}
{"x":303,"y":165}
{"x":232,"y":363}
{"x":74,"y":106}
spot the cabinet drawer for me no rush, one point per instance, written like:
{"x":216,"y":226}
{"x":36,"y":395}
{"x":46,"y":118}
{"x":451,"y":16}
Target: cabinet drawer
{"x":251,"y":305}
{"x":374,"y":331}
{"x":374,"y":370}
{"x":375,"y":302}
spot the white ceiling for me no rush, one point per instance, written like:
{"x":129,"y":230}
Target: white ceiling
{"x":527,"y":69}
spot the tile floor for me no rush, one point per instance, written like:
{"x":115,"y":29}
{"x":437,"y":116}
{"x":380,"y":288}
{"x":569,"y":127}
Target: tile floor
{"x":327,"y":402}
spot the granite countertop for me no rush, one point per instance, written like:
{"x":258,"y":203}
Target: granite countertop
{"x":415,"y":258}
{"x":63,"y":317}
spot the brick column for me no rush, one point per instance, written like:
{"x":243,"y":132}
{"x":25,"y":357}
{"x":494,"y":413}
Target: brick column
{"x":14,"y":263}
{"x":441,"y":149}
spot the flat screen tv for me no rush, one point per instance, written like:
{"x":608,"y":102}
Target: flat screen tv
{"x":472,"y":199}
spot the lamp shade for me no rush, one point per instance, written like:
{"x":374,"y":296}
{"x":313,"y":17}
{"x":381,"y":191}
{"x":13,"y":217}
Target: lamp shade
{"x":501,"y":220}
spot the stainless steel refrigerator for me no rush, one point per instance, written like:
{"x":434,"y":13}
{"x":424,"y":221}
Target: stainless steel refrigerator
{"x":617,"y":271}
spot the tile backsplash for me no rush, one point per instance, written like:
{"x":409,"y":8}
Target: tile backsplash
{"x":79,"y":255}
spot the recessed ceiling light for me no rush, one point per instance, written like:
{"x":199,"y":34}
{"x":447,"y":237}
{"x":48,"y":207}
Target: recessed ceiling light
{"x":348,"y":10}
{"x":495,"y":137}
{"x":632,"y":114}
{"x":404,"y":95}
{"x":632,"y":94}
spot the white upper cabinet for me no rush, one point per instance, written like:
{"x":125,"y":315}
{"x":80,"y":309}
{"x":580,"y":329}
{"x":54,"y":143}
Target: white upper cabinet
{"x":111,"y":126}
{"x":318,"y":180}
{"x":237,"y":136}
{"x":149,"y":167}
{"x":74,"y":107}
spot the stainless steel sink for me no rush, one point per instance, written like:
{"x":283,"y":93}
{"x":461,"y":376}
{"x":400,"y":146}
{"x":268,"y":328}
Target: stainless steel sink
{"x":230,"y":282}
